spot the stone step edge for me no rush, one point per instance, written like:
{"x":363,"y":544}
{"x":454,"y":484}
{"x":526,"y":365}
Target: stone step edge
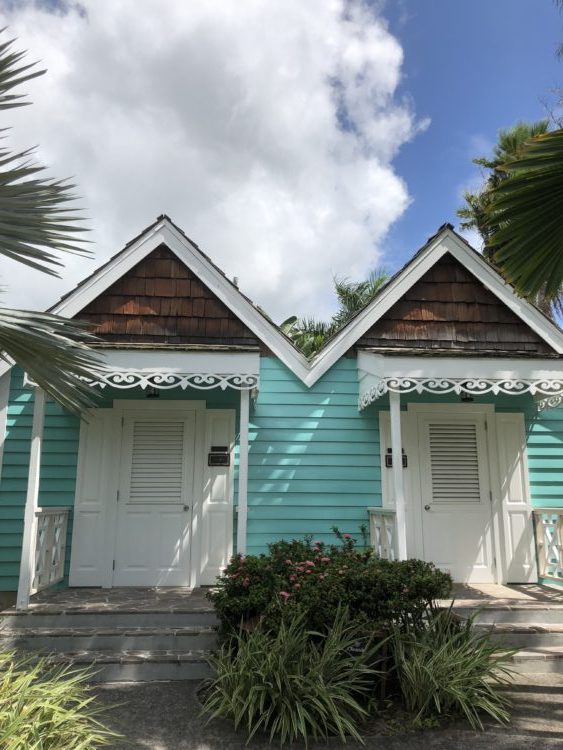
{"x":12,"y":612}
{"x":528,"y":628}
{"x":517,"y":607}
{"x":546,"y":653}
{"x":94,"y":658}
{"x":120,"y":630}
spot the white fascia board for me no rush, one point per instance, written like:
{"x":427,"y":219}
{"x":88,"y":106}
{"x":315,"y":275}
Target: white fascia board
{"x":389,"y":295}
{"x":445,"y":242}
{"x":469,"y":368}
{"x":236,"y":363}
{"x":165,"y":233}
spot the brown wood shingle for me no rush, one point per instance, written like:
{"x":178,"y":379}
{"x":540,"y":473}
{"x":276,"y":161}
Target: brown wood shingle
{"x":448,"y":308}
{"x":161,"y":301}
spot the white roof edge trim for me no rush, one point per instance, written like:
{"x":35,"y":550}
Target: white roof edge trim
{"x":445,"y":242}
{"x":165,"y":232}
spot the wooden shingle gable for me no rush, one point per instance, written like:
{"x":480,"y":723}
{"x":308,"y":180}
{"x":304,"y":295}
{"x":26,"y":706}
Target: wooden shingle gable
{"x":448,"y":308}
{"x":161,"y":301}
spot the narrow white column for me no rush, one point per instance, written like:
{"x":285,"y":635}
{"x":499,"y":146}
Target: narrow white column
{"x":397,"y":454}
{"x":242,"y":507}
{"x":27,"y":565}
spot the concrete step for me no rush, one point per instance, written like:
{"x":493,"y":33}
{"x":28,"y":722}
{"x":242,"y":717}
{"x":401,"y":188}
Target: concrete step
{"x":86,"y":618}
{"x":110,"y":639}
{"x":525,"y":635}
{"x":138,"y":666}
{"x":542,"y":660}
{"x":513,"y":614}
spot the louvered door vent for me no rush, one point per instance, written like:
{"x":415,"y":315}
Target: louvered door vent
{"x":454,"y":463}
{"x":157,"y":464}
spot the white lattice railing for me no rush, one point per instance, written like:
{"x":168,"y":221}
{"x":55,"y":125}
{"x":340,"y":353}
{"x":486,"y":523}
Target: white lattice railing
{"x":548,"y":524}
{"x":382,"y":531}
{"x":50,"y":547}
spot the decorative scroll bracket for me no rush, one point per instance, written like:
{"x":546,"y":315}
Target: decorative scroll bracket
{"x":552,"y":390}
{"x":165,"y":380}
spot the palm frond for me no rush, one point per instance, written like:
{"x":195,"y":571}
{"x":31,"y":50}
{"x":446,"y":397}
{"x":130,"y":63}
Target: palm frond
{"x":36,"y":217}
{"x":528,"y":210}
{"x":12,"y":74}
{"x":53,"y":352}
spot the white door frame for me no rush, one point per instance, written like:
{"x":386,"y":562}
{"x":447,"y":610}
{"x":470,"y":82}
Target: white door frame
{"x":114,"y":433}
{"x":412,"y":479}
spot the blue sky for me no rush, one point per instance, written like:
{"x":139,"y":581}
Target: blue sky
{"x":473,"y":68}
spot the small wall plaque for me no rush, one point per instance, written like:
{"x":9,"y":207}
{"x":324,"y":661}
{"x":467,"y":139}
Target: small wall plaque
{"x":219,"y":456}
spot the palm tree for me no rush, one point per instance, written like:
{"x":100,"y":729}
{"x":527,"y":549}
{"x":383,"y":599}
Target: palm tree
{"x":528,"y":211}
{"x":37,"y":223}
{"x":479,"y":214}
{"x":310,"y":335}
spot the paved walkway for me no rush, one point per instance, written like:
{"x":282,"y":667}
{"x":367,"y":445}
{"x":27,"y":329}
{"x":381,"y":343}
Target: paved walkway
{"x":165,"y":716}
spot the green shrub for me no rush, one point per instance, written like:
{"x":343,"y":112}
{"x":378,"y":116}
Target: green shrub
{"x":316,"y":578}
{"x":295,"y":684}
{"x":43,"y":708}
{"x":449,"y":668}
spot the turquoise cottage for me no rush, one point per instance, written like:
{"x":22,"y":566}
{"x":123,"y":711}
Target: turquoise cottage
{"x":432,"y":418}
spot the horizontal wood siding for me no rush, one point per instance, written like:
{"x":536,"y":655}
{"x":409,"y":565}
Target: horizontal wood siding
{"x":545,"y":457}
{"x":314,"y":459}
{"x":58,"y":472}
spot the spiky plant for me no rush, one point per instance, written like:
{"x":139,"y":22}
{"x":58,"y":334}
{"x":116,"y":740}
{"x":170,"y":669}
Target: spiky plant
{"x":450,"y":668}
{"x":47,"y":708}
{"x":38,"y":222}
{"x":295,"y":685}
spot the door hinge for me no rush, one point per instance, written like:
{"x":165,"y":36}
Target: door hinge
{"x":495,"y":563}
{"x":491,"y":495}
{"x":113,"y":565}
{"x":122,"y":421}
{"x":117,"y":495}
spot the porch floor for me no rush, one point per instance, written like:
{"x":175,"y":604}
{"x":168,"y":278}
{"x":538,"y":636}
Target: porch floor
{"x":530,"y":595}
{"x":122,"y":600}
{"x":177,"y":599}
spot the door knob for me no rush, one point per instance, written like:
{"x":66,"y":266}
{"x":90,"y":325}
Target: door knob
{"x":186,"y":507}
{"x":426,"y":507}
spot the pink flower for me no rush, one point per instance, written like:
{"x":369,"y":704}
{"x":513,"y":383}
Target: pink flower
{"x":325,"y":559}
{"x":292,"y":577}
{"x":317,"y":543}
{"x":297,"y":586}
{"x":246,"y":582}
{"x":288,"y":562}
{"x":346,"y":536}
{"x":309,"y":563}
{"x":308,"y":572}
{"x":285,"y":594}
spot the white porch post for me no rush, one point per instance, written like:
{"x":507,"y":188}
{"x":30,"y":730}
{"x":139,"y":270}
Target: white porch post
{"x":397,"y":456}
{"x":27,"y":566}
{"x":242,"y":507}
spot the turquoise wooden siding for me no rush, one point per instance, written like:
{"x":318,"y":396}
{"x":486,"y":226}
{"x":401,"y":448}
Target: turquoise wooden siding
{"x":545,"y":457}
{"x":314,"y":459}
{"x":58,"y":472}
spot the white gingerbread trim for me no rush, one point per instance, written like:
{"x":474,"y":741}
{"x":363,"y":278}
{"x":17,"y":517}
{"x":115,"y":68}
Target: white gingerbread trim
{"x":167,"y":379}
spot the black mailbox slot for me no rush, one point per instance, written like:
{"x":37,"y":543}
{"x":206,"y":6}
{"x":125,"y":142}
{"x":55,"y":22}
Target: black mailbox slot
{"x":219,"y":456}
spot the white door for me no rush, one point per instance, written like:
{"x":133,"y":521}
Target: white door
{"x":456,"y":512}
{"x":155,"y":499}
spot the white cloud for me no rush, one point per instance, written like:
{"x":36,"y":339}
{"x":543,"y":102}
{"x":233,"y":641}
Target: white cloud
{"x":228,"y":116}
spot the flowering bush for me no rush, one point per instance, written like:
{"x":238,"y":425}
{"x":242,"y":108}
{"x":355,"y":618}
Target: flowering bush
{"x":315,"y":578}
